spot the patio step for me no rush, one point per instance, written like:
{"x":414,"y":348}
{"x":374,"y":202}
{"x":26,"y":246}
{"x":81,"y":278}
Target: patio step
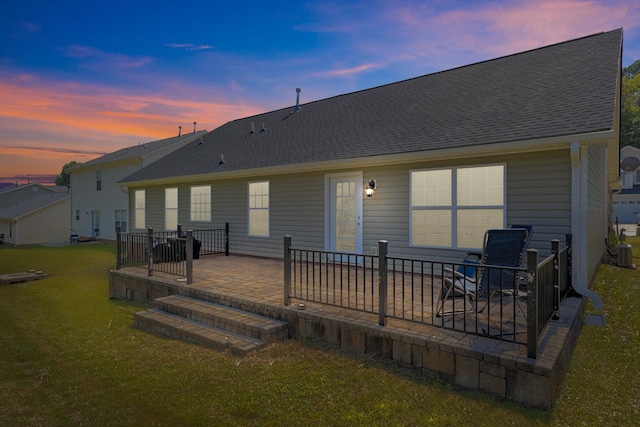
{"x":210,"y":324}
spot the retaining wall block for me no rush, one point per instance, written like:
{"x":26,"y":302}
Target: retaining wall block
{"x":467,"y":372}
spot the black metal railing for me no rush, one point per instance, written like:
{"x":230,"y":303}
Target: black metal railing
{"x":334,"y":278}
{"x":169,"y":252}
{"x":516,"y":308}
{"x":131,"y":250}
{"x":214,"y":241}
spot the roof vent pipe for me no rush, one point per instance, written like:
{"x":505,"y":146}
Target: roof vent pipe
{"x":298,"y":90}
{"x":194,"y":127}
{"x":179,"y":130}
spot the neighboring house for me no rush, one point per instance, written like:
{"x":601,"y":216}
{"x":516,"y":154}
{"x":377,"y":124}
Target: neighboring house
{"x":530,"y":138}
{"x":98,"y":203}
{"x":626,"y":202}
{"x":40,"y":219}
{"x":23,"y":192}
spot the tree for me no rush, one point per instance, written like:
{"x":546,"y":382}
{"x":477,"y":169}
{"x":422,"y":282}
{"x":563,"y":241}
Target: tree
{"x":630,"y":107}
{"x":64,"y":178}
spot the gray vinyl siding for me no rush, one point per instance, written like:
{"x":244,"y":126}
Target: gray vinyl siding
{"x":597,"y":207}
{"x":538,"y":194}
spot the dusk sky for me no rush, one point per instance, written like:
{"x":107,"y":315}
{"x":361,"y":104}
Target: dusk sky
{"x":80,"y":79}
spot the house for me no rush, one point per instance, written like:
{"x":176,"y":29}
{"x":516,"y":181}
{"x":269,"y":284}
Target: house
{"x":626,"y":201}
{"x":25,"y":221}
{"x":23,"y":192}
{"x":42,"y":218}
{"x":98,"y":203}
{"x":427,"y":164}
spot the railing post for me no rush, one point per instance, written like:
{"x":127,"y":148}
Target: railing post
{"x":150,"y":252}
{"x":287,"y":270}
{"x":532,"y":303}
{"x":189,"y":251}
{"x":382,"y":285}
{"x":118,"y":249}
{"x":226,"y":239}
{"x":555,"y":250}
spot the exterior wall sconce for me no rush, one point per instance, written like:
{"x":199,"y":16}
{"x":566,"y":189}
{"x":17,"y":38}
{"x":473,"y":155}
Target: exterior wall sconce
{"x":370,"y":187}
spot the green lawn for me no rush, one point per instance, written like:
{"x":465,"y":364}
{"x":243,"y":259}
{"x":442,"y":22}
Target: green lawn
{"x":69,"y":356}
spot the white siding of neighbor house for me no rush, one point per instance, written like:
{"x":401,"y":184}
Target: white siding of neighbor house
{"x":538,"y":194}
{"x":38,"y":228}
{"x":86,"y":198}
{"x":7,"y":225}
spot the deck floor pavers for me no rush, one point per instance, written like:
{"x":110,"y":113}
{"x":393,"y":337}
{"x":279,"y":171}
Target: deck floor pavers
{"x":261,"y":281}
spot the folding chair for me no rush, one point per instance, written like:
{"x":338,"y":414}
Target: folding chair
{"x":500,"y":249}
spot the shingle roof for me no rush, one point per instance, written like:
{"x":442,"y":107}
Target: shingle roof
{"x":563,"y":89}
{"x":139,"y":150}
{"x":51,"y":188}
{"x":20,"y":209}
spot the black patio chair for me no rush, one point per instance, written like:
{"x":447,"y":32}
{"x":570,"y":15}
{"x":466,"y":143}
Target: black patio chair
{"x":484,"y":275}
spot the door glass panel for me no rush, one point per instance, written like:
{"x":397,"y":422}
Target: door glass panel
{"x":345,"y":216}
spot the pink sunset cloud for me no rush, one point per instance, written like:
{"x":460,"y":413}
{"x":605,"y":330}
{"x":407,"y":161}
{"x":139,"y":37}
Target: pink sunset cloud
{"x":74,"y":117}
{"x":496,"y":29}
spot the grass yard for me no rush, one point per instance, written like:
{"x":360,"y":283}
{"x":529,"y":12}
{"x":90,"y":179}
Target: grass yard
{"x":69,"y":356}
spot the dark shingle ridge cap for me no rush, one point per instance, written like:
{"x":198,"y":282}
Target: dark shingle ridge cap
{"x":448,"y":70}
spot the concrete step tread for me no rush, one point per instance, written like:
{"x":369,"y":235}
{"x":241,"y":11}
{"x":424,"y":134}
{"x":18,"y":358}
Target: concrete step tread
{"x":181,"y":328}
{"x":220,"y":311}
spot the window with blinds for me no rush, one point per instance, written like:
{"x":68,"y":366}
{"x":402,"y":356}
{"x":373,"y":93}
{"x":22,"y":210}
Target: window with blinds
{"x":259,"y":209}
{"x":453,"y":207}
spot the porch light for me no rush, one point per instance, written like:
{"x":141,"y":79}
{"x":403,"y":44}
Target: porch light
{"x":370,"y":187}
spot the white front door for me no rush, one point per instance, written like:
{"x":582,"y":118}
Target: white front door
{"x":343,"y":217}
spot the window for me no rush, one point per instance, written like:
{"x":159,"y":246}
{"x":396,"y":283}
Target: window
{"x":454,"y":207}
{"x":77,"y":214}
{"x":201,"y":203}
{"x":140,"y":208}
{"x":259,"y":209}
{"x":98,"y":180}
{"x":121,"y":220}
{"x":170,"y":208}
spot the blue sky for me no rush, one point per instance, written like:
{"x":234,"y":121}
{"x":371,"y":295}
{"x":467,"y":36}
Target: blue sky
{"x":78,"y":79}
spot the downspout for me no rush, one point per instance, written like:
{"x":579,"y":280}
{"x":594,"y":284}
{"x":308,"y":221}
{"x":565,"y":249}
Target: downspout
{"x":579,"y":168}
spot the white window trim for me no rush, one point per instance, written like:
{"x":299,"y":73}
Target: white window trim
{"x":167,"y":209}
{"x":249,"y":209}
{"x":208,"y":220}
{"x":454,"y":205}
{"x":138,"y":210}
{"x":123,"y":219}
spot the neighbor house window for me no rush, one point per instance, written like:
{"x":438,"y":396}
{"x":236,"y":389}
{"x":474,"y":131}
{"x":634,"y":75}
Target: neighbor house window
{"x":259,"y":208}
{"x":170,"y":208}
{"x":121,"y":220}
{"x":140,"y":205}
{"x":453,"y":207}
{"x":98,"y":180}
{"x":77,"y":214}
{"x":201,"y":203}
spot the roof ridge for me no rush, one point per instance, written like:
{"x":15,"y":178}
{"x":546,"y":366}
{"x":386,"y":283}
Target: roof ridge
{"x":429,"y":74}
